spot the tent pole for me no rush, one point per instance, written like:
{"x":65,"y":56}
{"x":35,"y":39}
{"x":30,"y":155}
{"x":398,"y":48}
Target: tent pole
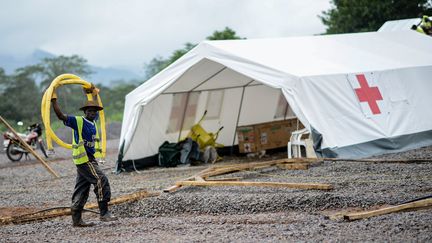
{"x":286,"y":110}
{"x":184,"y":115}
{"x":238,"y":116}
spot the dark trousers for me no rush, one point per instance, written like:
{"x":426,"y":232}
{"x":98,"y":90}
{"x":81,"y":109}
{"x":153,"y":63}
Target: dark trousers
{"x":87,"y":174}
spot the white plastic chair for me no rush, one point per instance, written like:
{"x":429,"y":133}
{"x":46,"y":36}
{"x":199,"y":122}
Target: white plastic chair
{"x":295,"y":143}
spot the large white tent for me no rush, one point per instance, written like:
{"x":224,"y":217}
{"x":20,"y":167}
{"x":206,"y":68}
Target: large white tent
{"x":359,"y":94}
{"x":398,"y":25}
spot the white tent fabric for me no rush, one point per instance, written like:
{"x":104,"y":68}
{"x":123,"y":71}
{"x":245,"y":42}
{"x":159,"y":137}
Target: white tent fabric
{"x":351,"y":90}
{"x":398,"y":25}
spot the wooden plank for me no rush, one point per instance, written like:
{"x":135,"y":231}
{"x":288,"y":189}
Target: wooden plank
{"x":294,"y":166}
{"x":30,"y":149}
{"x":226,"y":179}
{"x":176,"y":187}
{"x":130,"y":197}
{"x":172,"y":188}
{"x":253,"y":165}
{"x":211,"y":168}
{"x":317,"y":186}
{"x":407,"y":206}
{"x":45,"y":214}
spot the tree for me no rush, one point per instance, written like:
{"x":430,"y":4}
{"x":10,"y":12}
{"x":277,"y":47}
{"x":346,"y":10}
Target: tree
{"x":347,"y":16}
{"x":3,"y":80}
{"x":158,"y":63}
{"x":154,"y":66}
{"x":226,"y":34}
{"x":21,"y":94}
{"x":50,"y":68}
{"x":70,"y":97}
{"x":114,"y":99}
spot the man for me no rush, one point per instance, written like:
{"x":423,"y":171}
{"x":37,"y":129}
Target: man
{"x":86,"y":148}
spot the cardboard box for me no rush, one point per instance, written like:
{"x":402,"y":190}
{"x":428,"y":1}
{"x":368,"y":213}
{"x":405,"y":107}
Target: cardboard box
{"x":263,"y":136}
{"x":246,"y":139}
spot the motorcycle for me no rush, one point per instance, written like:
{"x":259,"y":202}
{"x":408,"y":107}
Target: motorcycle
{"x":15,"y":150}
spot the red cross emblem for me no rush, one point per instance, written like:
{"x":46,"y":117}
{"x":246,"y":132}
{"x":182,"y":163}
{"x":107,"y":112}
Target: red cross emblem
{"x":368,"y":94}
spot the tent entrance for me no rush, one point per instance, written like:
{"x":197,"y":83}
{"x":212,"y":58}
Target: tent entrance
{"x":231,"y":108}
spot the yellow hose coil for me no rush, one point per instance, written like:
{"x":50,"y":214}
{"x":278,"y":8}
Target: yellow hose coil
{"x":66,"y":79}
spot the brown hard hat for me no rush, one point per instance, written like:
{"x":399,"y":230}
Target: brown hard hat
{"x":91,"y":103}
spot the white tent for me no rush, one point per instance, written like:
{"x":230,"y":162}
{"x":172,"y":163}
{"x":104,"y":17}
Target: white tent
{"x":398,"y":25}
{"x":360,"y":94}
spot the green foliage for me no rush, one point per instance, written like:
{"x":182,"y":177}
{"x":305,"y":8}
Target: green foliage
{"x":226,"y":34}
{"x":180,"y":52}
{"x":349,"y":16}
{"x":3,"y":80}
{"x":19,"y":92}
{"x":154,"y":66}
{"x":50,"y":68}
{"x":114,"y":99}
{"x":22,"y":97}
{"x":158,"y":63}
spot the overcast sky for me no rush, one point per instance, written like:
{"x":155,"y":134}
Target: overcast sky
{"x":130,"y":33}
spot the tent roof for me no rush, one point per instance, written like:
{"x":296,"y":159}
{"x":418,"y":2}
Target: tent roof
{"x":332,"y":54}
{"x":398,"y":25}
{"x":275,"y":60}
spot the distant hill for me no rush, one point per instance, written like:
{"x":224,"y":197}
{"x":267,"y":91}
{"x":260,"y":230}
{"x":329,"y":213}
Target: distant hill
{"x":106,"y":76}
{"x":10,"y":63}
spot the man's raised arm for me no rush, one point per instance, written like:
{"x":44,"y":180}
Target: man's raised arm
{"x":57,"y":110}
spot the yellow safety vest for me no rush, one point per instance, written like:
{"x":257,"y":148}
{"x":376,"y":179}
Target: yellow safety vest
{"x":420,"y":30}
{"x":79,"y":153}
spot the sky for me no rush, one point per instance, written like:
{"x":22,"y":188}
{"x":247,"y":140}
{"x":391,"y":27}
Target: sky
{"x":129,"y":33}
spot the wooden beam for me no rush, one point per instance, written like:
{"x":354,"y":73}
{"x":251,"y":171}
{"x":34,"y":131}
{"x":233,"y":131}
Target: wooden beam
{"x":199,"y":178}
{"x":226,"y":179}
{"x":172,"y":188}
{"x":253,"y":165}
{"x":317,"y":186}
{"x":51,"y":213}
{"x":294,"y":166}
{"x":220,"y":170}
{"x":211,"y":168}
{"x":407,"y":206}
{"x":176,"y":187}
{"x":29,"y":148}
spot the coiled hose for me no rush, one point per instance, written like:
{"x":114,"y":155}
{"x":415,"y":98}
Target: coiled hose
{"x":66,"y":79}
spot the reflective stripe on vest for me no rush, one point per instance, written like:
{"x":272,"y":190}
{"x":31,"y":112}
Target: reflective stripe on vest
{"x":79,"y":154}
{"x":98,"y":149}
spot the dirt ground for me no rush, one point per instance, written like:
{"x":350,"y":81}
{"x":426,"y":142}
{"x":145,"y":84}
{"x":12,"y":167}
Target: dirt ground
{"x":224,"y":214}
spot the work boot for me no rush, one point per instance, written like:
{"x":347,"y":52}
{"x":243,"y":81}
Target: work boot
{"x":108,"y":217}
{"x":105,"y":215}
{"x":77,"y":219}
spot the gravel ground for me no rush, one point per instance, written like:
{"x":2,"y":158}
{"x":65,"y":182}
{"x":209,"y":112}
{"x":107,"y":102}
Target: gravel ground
{"x":225,"y":214}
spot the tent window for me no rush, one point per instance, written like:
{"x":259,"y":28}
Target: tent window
{"x":214,"y":104}
{"x":184,"y":106}
{"x":283,"y":110}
